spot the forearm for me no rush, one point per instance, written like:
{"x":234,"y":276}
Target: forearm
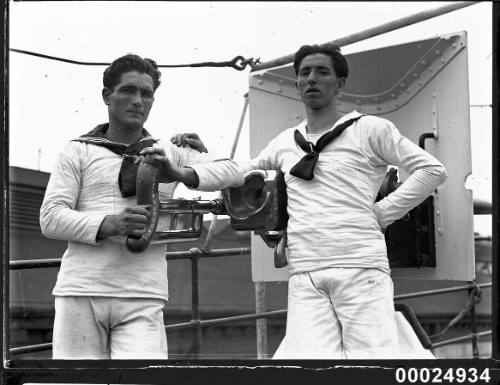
{"x":188,"y":176}
{"x":107,"y":228}
{"x":218,"y":175}
{"x":173,"y":173}
{"x":228,"y":173}
{"x":414,"y":190}
{"x":59,"y":218}
{"x":204,"y":173}
{"x":425,"y":172}
{"x":63,"y":223}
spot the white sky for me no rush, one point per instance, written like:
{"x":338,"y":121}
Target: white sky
{"x":53,"y":102}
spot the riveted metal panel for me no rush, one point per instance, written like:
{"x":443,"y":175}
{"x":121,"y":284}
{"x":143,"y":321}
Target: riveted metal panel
{"x":423,"y":88}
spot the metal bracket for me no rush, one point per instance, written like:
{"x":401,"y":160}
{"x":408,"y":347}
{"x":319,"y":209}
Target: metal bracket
{"x":434,"y":133}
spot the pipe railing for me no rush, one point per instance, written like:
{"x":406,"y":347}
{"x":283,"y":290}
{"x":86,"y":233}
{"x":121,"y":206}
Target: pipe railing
{"x":442,"y":291}
{"x":195,"y":254}
{"x":375,"y":31}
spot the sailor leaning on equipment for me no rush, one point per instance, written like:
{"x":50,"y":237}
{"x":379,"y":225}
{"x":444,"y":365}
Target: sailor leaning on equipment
{"x":340,"y":293}
{"x":108,"y":300}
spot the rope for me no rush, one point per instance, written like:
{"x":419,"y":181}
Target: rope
{"x":238,"y":63}
{"x":473,"y":300}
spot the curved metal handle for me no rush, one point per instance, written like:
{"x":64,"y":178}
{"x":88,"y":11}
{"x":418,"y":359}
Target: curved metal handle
{"x":413,"y":321}
{"x":280,"y":252}
{"x":243,"y":213}
{"x":147,"y":194}
{"x":238,"y":205}
{"x":423,"y":137}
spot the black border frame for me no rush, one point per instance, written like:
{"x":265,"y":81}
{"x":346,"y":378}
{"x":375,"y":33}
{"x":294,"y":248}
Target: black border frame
{"x":192,"y":372}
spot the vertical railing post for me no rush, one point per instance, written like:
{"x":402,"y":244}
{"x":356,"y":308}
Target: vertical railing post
{"x":213,"y":223}
{"x":473,"y":324}
{"x":261,"y":324}
{"x":195,"y":301}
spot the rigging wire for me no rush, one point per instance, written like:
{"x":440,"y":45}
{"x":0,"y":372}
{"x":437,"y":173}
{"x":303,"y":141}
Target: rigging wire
{"x":238,"y":63}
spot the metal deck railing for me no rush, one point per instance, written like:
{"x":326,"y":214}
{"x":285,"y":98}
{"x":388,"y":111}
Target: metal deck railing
{"x":196,"y":323}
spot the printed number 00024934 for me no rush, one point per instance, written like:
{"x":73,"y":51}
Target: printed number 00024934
{"x":439,"y":375}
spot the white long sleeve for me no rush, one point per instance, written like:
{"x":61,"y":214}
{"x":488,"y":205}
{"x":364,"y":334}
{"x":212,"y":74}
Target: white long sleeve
{"x":218,"y":175}
{"x":224,"y":173}
{"x":426,"y":173}
{"x":59,"y":218}
{"x":333,"y":221}
{"x":82,"y":190}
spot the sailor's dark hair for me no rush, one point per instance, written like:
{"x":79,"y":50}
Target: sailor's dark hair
{"x":127,"y":63}
{"x":339,"y":62}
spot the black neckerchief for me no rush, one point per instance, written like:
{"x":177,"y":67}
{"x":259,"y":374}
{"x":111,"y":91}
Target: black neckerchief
{"x":128,"y":170}
{"x":305,"y":167}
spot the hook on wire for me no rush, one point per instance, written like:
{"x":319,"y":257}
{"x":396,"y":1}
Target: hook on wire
{"x":240,"y":63}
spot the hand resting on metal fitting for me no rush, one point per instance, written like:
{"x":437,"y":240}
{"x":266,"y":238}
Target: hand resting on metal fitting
{"x":168,"y":171}
{"x":131,"y":221}
{"x":190,"y":139}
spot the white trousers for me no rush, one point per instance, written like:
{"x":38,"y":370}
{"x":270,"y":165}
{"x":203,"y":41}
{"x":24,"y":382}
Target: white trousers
{"x":339,"y":313}
{"x":109,"y":328}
